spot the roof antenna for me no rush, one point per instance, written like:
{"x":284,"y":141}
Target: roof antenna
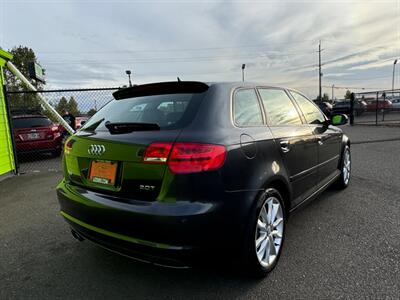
{"x":179,"y":80}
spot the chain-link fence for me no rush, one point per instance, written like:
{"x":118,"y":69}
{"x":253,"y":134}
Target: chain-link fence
{"x":38,"y":138}
{"x":379,"y":107}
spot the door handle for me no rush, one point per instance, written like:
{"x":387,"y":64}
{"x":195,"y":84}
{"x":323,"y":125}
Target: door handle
{"x":285,"y":146}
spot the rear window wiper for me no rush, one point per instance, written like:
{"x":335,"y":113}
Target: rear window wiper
{"x":127,"y":127}
{"x":93,"y":127}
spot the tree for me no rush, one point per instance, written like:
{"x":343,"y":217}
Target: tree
{"x":73,"y":106}
{"x":22,"y":56}
{"x":62,"y":105}
{"x":347,"y":95}
{"x":67,"y":105}
{"x":91,"y":112}
{"x":325,"y":97}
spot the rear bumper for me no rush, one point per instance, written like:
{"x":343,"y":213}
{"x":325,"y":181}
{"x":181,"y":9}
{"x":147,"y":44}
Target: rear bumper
{"x":38,"y":146}
{"x":159,"y":254}
{"x":176,"y":231}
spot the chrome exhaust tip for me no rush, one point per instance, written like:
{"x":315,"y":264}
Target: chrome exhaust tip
{"x":77,"y":236}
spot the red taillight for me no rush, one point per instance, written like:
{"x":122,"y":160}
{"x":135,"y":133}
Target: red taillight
{"x":157,"y":153}
{"x":186,"y":157}
{"x":68,"y":145}
{"x":192,"y":157}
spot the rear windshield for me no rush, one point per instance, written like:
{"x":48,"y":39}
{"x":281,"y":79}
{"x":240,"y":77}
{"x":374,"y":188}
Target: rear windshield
{"x":31,"y":122}
{"x":170,"y":111}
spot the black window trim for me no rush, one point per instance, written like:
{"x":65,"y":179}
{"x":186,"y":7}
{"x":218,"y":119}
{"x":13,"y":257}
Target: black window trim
{"x":233,"y":93}
{"x":286,"y":91}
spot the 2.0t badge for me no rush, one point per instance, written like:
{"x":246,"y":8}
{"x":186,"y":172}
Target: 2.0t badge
{"x":96,"y":149}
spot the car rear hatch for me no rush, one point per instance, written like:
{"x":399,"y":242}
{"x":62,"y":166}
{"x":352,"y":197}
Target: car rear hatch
{"x":107,"y":154}
{"x":32,"y":129}
{"x":114,"y":164}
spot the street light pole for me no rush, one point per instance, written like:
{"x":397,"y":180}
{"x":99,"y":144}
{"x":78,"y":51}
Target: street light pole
{"x":128,"y":72}
{"x":243,"y":67}
{"x":333,"y":86}
{"x":394,"y":66}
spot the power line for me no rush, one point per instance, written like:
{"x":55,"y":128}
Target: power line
{"x":180,"y":49}
{"x":175,"y":59}
{"x":350,"y":87}
{"x":366,"y":78}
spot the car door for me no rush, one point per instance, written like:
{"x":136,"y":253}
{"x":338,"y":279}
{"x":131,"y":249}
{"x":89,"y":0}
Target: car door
{"x":329,"y":138}
{"x":249,"y":142}
{"x":296,"y":141}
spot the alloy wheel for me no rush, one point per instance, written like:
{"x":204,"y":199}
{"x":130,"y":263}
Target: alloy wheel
{"x":269,"y":232}
{"x":346,"y":166}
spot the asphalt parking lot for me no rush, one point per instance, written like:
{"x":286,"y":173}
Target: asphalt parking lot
{"x":345,"y":244}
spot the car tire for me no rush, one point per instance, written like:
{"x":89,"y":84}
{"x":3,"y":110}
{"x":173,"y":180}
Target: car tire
{"x":264,"y":235}
{"x":345,"y":169}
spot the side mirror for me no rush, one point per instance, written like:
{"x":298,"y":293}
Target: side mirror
{"x":338,"y":120}
{"x":83,"y":123}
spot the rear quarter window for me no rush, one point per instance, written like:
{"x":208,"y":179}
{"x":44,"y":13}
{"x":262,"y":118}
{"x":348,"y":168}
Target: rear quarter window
{"x":246,"y":108}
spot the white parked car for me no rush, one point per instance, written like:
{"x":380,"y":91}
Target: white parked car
{"x":395,"y":103}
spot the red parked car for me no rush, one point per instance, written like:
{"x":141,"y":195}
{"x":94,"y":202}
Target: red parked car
{"x":382,"y":104}
{"x":36,"y":133}
{"x":79,"y":120}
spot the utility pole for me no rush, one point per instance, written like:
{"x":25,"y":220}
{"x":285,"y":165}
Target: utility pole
{"x":394,"y":68}
{"x":243,"y":67}
{"x":333,"y":86}
{"x":320,"y":73}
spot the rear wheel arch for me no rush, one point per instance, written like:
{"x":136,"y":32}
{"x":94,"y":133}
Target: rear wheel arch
{"x":283,"y":189}
{"x":281,"y":186}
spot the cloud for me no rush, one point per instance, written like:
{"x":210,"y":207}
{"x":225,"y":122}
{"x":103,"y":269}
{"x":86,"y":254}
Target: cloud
{"x":338,"y":74}
{"x":375,"y":64}
{"x":88,"y":43}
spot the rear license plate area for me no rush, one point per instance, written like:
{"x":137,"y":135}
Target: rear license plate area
{"x":33,"y":136}
{"x":103,"y":172}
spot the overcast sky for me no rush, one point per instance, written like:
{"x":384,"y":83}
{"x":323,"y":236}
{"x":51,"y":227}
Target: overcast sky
{"x":92,"y":43}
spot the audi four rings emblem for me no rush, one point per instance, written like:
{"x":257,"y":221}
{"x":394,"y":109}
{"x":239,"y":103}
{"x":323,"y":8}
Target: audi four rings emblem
{"x":96,"y":149}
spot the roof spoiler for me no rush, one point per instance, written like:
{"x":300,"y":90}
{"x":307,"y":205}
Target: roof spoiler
{"x":161,"y":88}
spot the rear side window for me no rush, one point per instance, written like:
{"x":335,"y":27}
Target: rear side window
{"x":168,"y":111}
{"x":312,"y":114}
{"x":279,"y":108}
{"x":31,"y":122}
{"x":246,"y":108}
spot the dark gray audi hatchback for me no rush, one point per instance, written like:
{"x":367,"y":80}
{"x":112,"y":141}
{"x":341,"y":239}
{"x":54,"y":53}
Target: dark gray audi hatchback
{"x":169,"y":172}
